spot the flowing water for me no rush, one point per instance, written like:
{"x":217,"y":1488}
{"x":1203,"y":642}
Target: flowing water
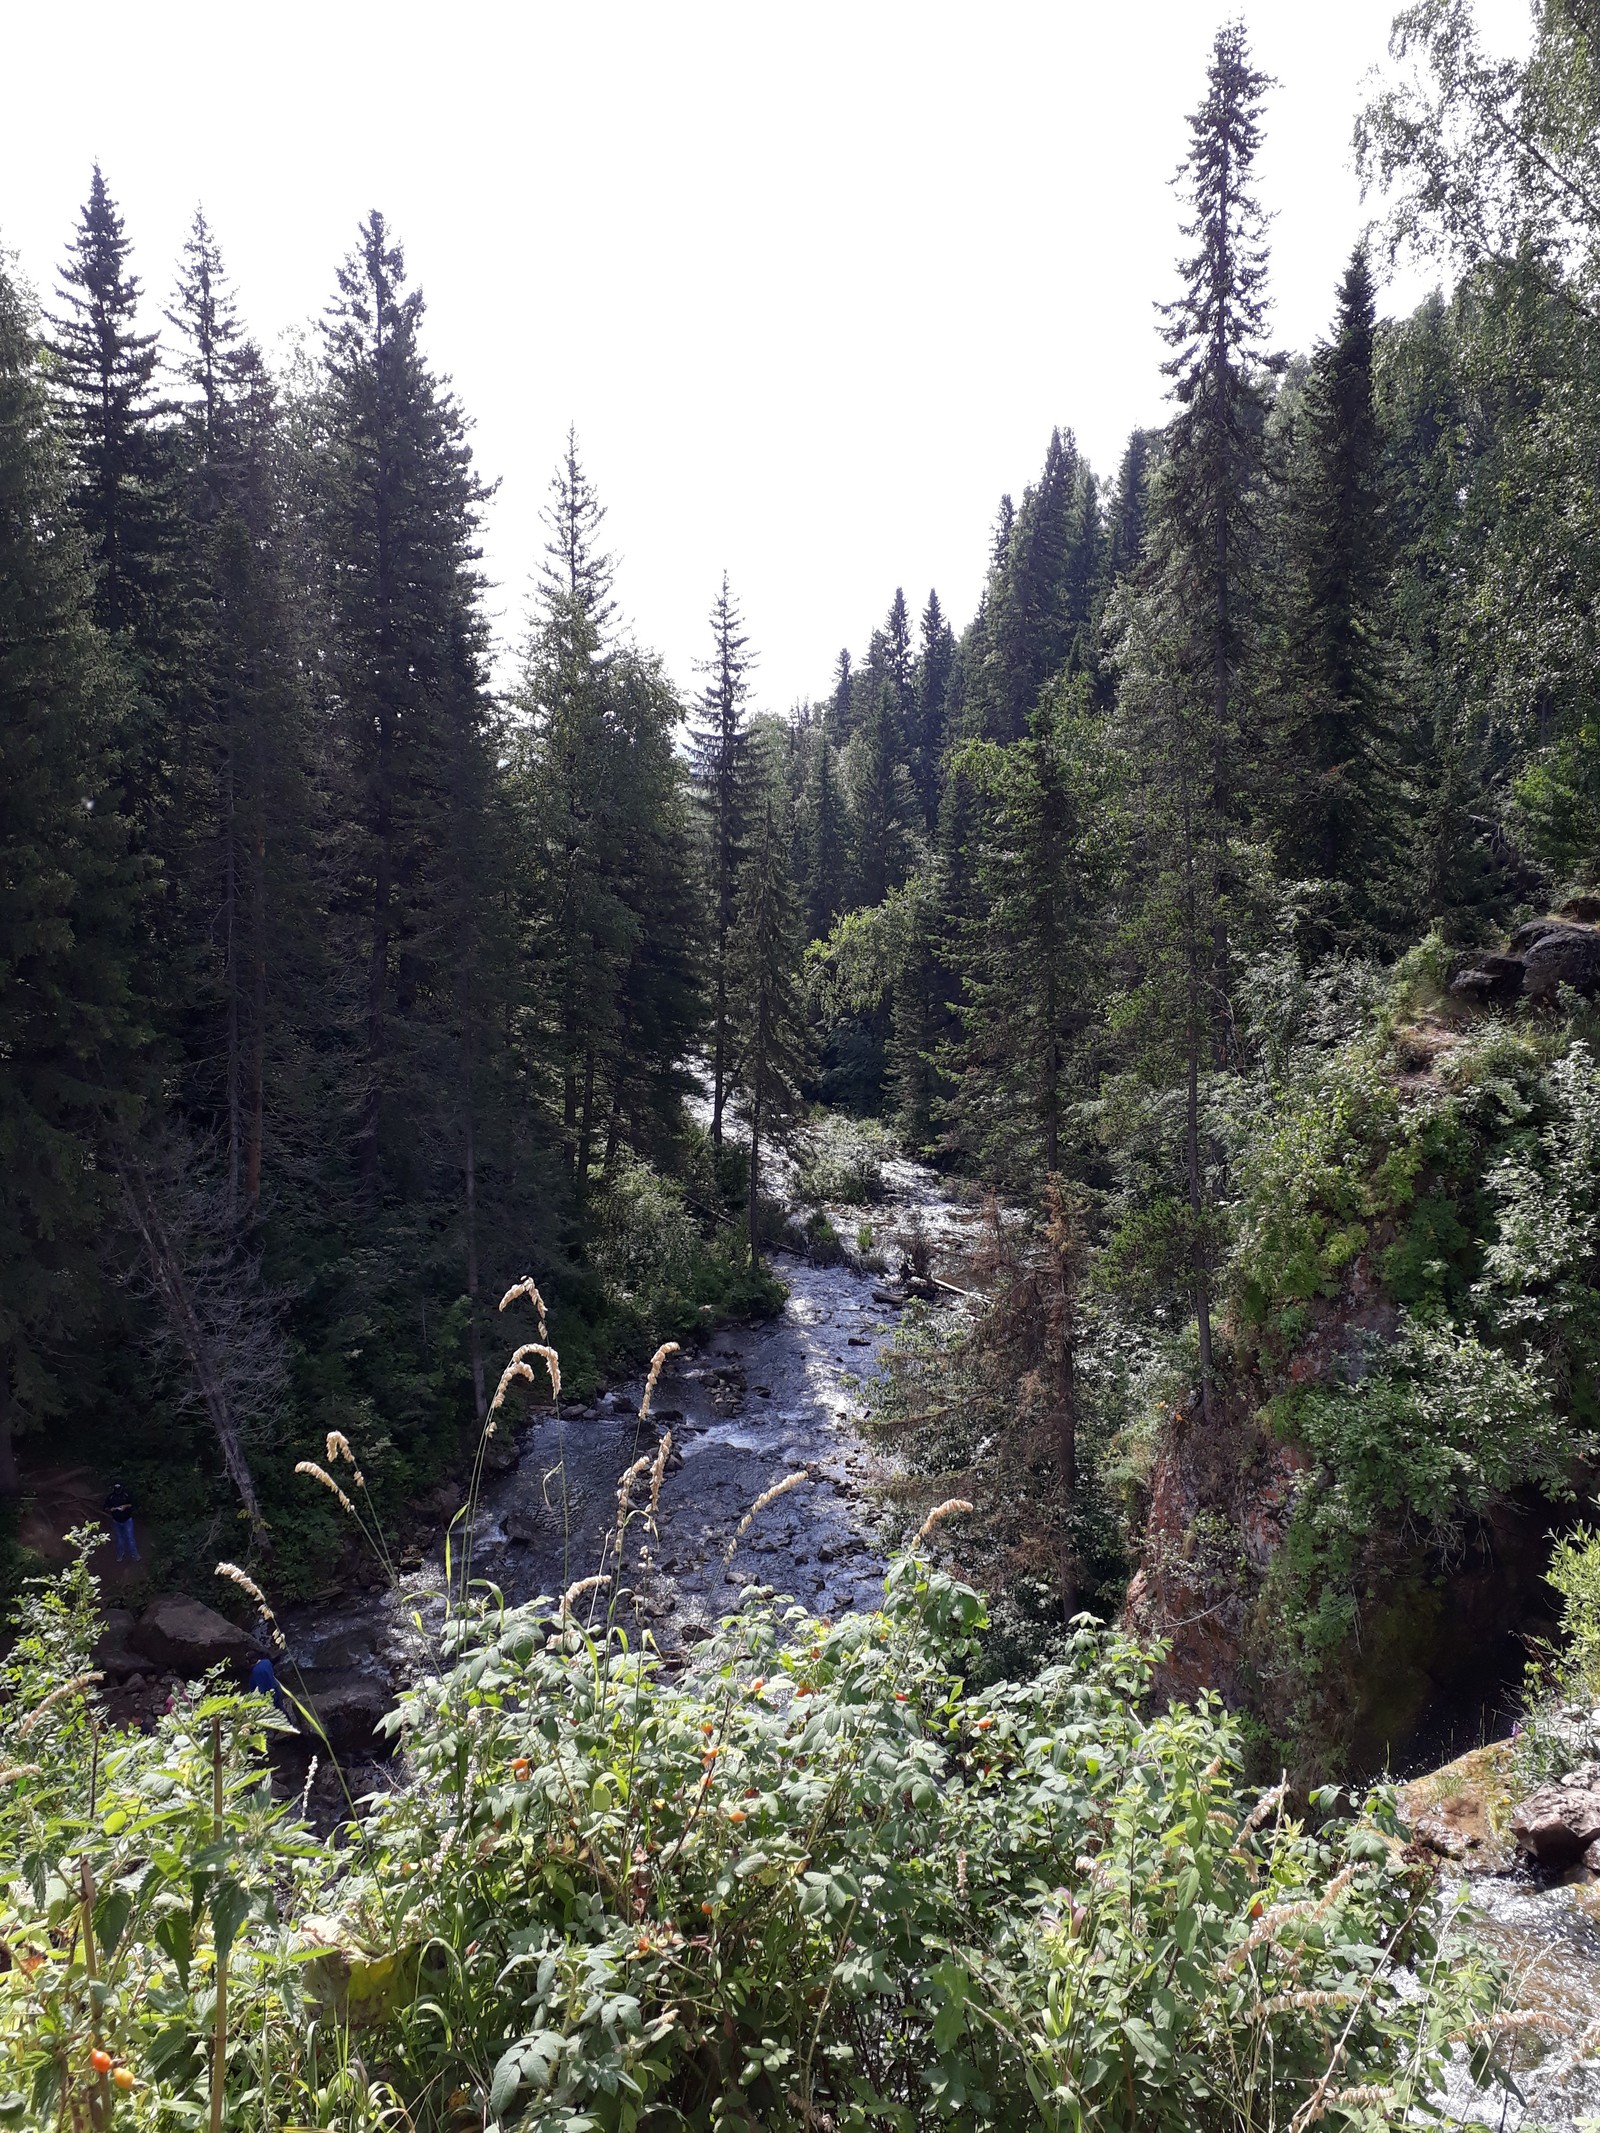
{"x":756,"y":1405}
{"x":760,"y":1403}
{"x":1549,"y":1940}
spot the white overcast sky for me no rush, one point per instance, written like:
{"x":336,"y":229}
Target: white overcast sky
{"x":813,"y":282}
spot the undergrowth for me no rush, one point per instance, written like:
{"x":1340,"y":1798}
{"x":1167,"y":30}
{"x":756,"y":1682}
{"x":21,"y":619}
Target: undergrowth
{"x":809,"y":1878}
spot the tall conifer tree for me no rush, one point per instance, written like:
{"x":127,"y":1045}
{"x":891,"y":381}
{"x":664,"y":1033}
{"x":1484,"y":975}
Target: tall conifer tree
{"x":1188,"y":651}
{"x":1340,"y":824}
{"x":720,"y":747}
{"x":770,"y":1025}
{"x":406,"y":664}
{"x":69,"y":1029}
{"x":935,"y":661}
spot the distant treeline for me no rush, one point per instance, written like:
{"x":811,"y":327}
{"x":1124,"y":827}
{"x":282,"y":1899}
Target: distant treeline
{"x":338,"y":988}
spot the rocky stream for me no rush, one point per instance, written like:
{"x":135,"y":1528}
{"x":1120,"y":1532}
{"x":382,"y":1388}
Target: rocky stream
{"x":764,"y":1402}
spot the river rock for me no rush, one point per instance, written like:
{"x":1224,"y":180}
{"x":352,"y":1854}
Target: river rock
{"x":1562,"y":955}
{"x":190,"y":1637}
{"x":348,"y":1708}
{"x":114,"y":1654}
{"x":1557,"y":1824}
{"x":1490,"y":981}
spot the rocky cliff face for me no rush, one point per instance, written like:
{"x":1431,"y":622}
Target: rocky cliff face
{"x":1288,"y":1561}
{"x":1436,"y":1645}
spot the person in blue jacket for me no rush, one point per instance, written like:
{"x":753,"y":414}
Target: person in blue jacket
{"x":119,"y":1509}
{"x":264,"y":1682}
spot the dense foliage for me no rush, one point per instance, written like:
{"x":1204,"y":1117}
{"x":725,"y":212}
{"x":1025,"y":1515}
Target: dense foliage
{"x":809,"y":1879}
{"x":341,"y":989}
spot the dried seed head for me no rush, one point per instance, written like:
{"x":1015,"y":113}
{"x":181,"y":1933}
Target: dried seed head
{"x":779,"y":1488}
{"x":658,"y":1467}
{"x":1265,"y":1806}
{"x":577,"y":1591}
{"x":19,"y":1770}
{"x":309,"y":1467}
{"x":636,"y":1472}
{"x":938,"y":1515}
{"x":529,"y":1288}
{"x":57,"y":1695}
{"x":339,"y":1448}
{"x":245,"y":1583}
{"x":518,"y":1368}
{"x":658,"y":1363}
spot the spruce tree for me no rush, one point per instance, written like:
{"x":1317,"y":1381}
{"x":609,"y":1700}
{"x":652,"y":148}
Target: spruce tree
{"x":1189,"y":650}
{"x":934,"y":664}
{"x":769,"y":1028}
{"x":112,"y":415}
{"x":69,"y":1028}
{"x":1340,"y":820}
{"x":1032,"y":952}
{"x":580,"y":932}
{"x":661,"y":1005}
{"x":247,"y":886}
{"x":840,"y":714}
{"x":405,"y":662}
{"x":881,"y":800}
{"x":897,"y":662}
{"x":826,"y":832}
{"x":719,"y":753}
{"x":124,"y":494}
{"x":1127,"y":517}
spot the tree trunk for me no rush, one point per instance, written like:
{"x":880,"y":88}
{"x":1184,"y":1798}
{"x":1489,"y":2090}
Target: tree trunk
{"x":258,"y":1030}
{"x":166,"y":1271}
{"x":377,"y":1004}
{"x":1192,"y":1020}
{"x":230,"y":951}
{"x":10,"y":1480}
{"x":586,"y":1123}
{"x":719,"y":1051}
{"x":758,"y":1079}
{"x":470,"y":1165}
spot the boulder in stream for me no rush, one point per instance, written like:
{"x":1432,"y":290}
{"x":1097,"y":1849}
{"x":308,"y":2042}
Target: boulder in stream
{"x":1558,"y":1825}
{"x":189,"y":1638}
{"x":348,"y":1708}
{"x":114,"y":1654}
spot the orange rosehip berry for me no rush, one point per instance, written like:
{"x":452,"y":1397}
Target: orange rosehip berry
{"x":706,"y":1908}
{"x":100,"y":2061}
{"x":520,"y":1767}
{"x":737,"y":1814}
{"x":123,"y":2079}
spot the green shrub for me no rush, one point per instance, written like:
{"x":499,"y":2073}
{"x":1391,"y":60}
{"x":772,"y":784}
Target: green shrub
{"x":1438,"y":1425}
{"x":808,"y":1881}
{"x":842,"y":1159}
{"x":644,"y":1241}
{"x":1562,"y":1725}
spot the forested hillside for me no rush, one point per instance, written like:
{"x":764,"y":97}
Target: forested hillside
{"x":347,"y":978}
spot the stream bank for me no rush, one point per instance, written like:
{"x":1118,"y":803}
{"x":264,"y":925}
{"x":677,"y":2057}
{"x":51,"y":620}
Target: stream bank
{"x":757,"y":1404}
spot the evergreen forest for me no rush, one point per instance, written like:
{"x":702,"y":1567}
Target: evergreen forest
{"x":1215,"y":911}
